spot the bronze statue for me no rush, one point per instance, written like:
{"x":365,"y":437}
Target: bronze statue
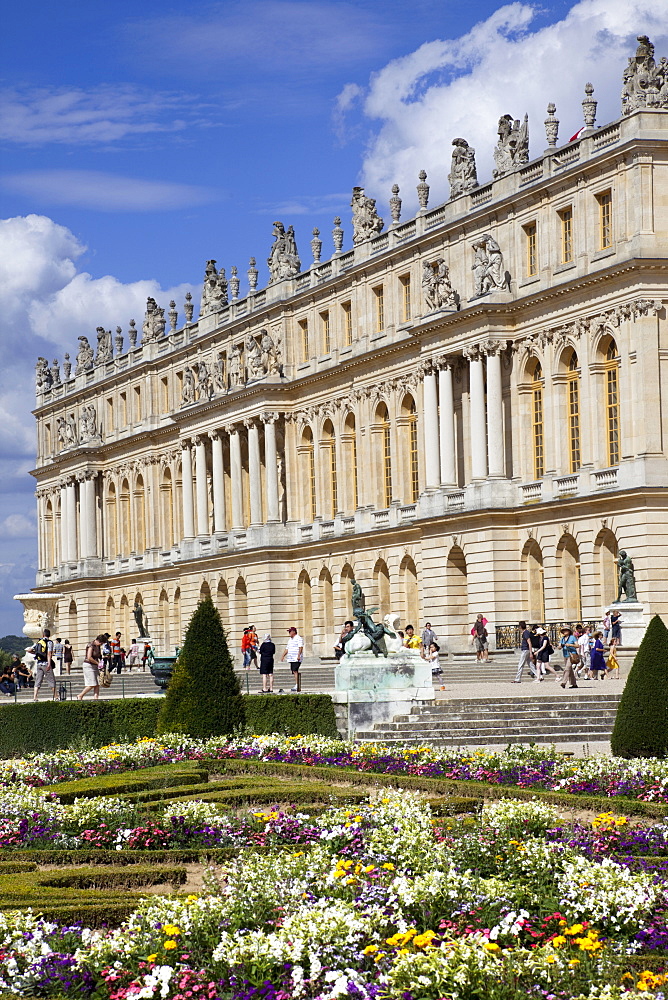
{"x":374,"y":631}
{"x":627,"y":580}
{"x":140,"y":619}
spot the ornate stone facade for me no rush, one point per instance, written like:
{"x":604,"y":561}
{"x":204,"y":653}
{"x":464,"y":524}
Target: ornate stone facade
{"x":465,"y":412}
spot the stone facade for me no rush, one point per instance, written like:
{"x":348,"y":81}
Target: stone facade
{"x":485,"y":439}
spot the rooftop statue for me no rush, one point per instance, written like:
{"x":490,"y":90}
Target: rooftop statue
{"x":645,"y":83}
{"x":366,"y":220}
{"x":84,"y":359}
{"x":43,"y":377}
{"x":154,"y":323}
{"x":463,"y":176}
{"x":438,"y":292}
{"x":105,"y":351}
{"x":283,"y":261}
{"x":512,"y":149}
{"x":214,"y":289}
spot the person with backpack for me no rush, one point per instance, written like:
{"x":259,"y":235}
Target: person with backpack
{"x":91,"y":667}
{"x":43,"y":653}
{"x":543,"y":653}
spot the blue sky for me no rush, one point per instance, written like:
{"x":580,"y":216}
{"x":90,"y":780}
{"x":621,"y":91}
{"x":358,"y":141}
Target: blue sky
{"x":138,"y":140}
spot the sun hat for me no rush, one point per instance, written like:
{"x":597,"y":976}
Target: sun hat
{"x":541,"y":631}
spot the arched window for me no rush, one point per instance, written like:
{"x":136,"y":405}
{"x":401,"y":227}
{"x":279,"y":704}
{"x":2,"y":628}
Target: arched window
{"x":409,"y":414}
{"x":457,"y":598}
{"x":176,"y":617}
{"x":569,"y":554}
{"x":383,"y":418}
{"x":305,"y":607}
{"x":240,"y":604}
{"x":329,"y":456}
{"x":607,"y":550}
{"x":612,"y":402}
{"x":49,"y":547}
{"x":573,"y":411}
{"x":205,"y":592}
{"x":351,"y":456}
{"x":124,"y":518}
{"x":535,"y":595}
{"x":124,"y":621}
{"x":537,"y":430}
{"x":308,"y":464}
{"x":328,"y":625}
{"x":382,"y":577}
{"x":222,"y":601}
{"x":410,"y":588}
{"x":112,"y":522}
{"x":346,"y":590}
{"x":163,"y":605}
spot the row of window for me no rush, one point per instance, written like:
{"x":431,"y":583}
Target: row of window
{"x":567,"y":243}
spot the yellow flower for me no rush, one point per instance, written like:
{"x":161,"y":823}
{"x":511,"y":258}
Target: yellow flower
{"x":389,"y":866}
{"x":424,"y":940}
{"x":558,"y":941}
{"x":169,"y":945}
{"x":151,"y":958}
{"x":370,"y":949}
{"x":171,"y":929}
{"x":491,"y":946}
{"x":550,"y":959}
{"x":575,"y":929}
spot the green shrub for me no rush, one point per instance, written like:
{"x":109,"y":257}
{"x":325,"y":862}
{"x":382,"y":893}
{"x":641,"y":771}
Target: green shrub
{"x":294,"y":715}
{"x":146,"y":778}
{"x":53,"y":725}
{"x":641,"y":724}
{"x":203,"y":698}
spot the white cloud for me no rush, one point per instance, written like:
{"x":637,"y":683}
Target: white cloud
{"x":461,"y":86}
{"x":105,"y":192}
{"x":101,"y":115}
{"x":317,"y":204}
{"x":18,"y":526}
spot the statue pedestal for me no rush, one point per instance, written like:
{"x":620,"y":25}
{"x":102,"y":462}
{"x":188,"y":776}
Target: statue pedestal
{"x":633,"y":622}
{"x":376,"y":688}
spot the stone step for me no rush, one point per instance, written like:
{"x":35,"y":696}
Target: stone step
{"x":502,"y":739}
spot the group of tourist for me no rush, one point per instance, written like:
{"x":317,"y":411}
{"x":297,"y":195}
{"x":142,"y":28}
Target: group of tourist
{"x":261,"y":655}
{"x":582,"y":650}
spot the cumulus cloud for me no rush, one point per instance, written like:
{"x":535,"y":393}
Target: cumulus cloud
{"x":104,"y":192}
{"x":106,"y":114}
{"x":460,"y":87}
{"x":317,"y":204}
{"x":18,"y":526}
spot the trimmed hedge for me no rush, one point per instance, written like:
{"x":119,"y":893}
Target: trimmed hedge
{"x":641,"y":723}
{"x":53,"y":725}
{"x":161,"y":776}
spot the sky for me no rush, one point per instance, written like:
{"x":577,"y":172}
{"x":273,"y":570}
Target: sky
{"x":139,"y":140}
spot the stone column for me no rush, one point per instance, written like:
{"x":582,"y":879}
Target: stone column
{"x":446,"y":419}
{"x":254,"y":471}
{"x":88,"y":515}
{"x":271,"y":465}
{"x":432,"y":471}
{"x":478,"y":442}
{"x":187,"y":490}
{"x":495,"y":462}
{"x":217,"y":475}
{"x":200,"y":487}
{"x":235,"y":476}
{"x":64,"y":544}
{"x":71,"y":507}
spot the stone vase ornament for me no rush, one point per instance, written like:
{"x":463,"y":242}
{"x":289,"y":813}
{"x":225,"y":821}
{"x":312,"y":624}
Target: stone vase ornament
{"x":40,"y":611}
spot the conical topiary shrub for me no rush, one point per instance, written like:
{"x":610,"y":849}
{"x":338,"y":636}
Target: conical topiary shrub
{"x":203,"y":697}
{"x":641,"y":725}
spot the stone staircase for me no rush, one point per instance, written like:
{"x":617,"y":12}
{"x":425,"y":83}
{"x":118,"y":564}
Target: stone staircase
{"x":586,"y":717}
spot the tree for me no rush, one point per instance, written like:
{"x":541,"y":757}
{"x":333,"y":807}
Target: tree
{"x":641,"y":725}
{"x":203,"y":697}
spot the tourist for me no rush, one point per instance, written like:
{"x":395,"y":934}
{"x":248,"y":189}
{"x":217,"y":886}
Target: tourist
{"x":411,"y":641}
{"x":584,"y":642}
{"x":543,"y":653}
{"x":91,"y":667}
{"x":606,"y":624}
{"x":43,"y":653}
{"x":68,"y":656}
{"x":7,"y":685}
{"x":569,"y":648}
{"x":246,"y":643}
{"x":133,"y":655}
{"x":480,"y":635}
{"x":58,"y":649}
{"x":295,"y":653}
{"x":431,"y":656}
{"x":527,"y":658}
{"x":106,"y":651}
{"x":598,"y":666}
{"x":22,"y":674}
{"x":428,"y":636}
{"x":115,"y":646}
{"x":255,"y":642}
{"x":267,"y":651}
{"x":615,"y":628}
{"x":339,"y":647}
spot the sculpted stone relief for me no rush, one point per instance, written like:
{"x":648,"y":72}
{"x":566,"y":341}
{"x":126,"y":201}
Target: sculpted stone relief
{"x":512,"y":148}
{"x":488,"y":269}
{"x":438,"y":291}
{"x":214,"y":289}
{"x":283,"y":261}
{"x":153,"y":327}
{"x":591,"y":326}
{"x":463,"y":176}
{"x":366,"y":221}
{"x":645,"y":84}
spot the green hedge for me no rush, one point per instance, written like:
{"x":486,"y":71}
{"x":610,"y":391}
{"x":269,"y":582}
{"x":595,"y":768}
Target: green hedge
{"x":52,"y":725}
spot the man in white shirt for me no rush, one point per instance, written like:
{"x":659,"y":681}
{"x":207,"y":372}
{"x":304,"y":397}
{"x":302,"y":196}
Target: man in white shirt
{"x":294,"y":652}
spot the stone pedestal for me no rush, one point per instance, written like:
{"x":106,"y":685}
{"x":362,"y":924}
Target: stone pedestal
{"x":375,"y":689}
{"x":40,"y":611}
{"x":633,"y":622}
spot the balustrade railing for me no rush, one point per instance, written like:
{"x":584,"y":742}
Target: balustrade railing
{"x":510,"y":636}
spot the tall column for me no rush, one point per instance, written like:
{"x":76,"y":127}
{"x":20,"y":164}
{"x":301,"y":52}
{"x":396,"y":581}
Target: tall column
{"x":235,"y":476}
{"x":271,"y":465}
{"x":187,"y":490}
{"x":71,"y":507}
{"x":495,"y":453}
{"x":478,"y":442}
{"x":218,"y":481}
{"x":446,"y":420}
{"x":254,"y":471}
{"x":88,"y":515}
{"x":200,"y":487}
{"x":64,"y":543}
{"x":432,"y":469}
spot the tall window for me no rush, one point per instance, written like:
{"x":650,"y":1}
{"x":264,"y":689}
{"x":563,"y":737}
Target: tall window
{"x":303,"y":331}
{"x":531,"y":237}
{"x":110,"y":414}
{"x":612,"y":402}
{"x":165,"y":395}
{"x":413,"y":451}
{"x":124,"y":408}
{"x":566,"y":217}
{"x":347,"y":308}
{"x":137,"y":403}
{"x":379,"y":309}
{"x":605,"y":219}
{"x":352,"y":455}
{"x":324,"y":329}
{"x":330,"y":443}
{"x":384,"y":420}
{"x":537,"y":422}
{"x":405,"y":282}
{"x":573,"y":387}
{"x":307,"y":444}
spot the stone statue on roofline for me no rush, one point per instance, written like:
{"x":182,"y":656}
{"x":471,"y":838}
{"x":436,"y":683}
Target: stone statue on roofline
{"x":463,"y":176}
{"x":512,"y":148}
{"x":84,"y":359}
{"x":645,"y":84}
{"x":153,"y":327}
{"x":214,"y":289}
{"x":283,"y":260}
{"x":43,"y":376}
{"x":366,"y":220}
{"x":105,"y":351}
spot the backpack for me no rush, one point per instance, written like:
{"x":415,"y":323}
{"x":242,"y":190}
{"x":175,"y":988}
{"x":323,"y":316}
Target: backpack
{"x":41,"y":649}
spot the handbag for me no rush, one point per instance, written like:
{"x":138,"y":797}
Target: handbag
{"x":105,"y":679}
{"x":574,"y":658}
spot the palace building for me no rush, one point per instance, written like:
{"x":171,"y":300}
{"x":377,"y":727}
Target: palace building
{"x":464,"y":411}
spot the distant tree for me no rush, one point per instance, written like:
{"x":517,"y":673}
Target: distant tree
{"x":641,"y":724}
{"x":14,"y":643}
{"x":203,"y":697}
